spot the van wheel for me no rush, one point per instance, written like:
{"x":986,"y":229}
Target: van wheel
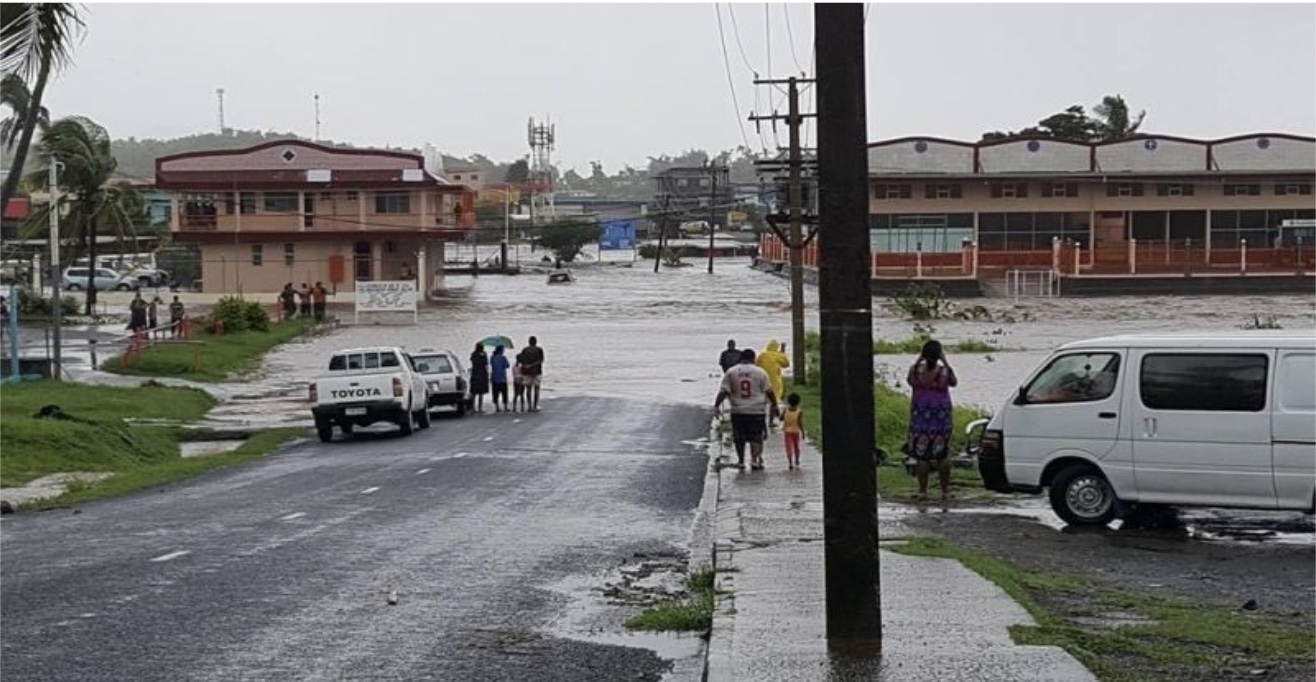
{"x":424,"y":418}
{"x":405,"y":423}
{"x":1082,"y":496}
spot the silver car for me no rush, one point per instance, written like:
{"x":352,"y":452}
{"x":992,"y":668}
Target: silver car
{"x":448,"y":381}
{"x":75,"y":279}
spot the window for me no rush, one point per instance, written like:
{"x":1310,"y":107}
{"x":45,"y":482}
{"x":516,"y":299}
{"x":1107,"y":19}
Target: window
{"x":1059,"y":190}
{"x":393,"y":202}
{"x":458,"y":176}
{"x":257,"y":254}
{"x":1290,"y":189}
{"x":326,"y":196}
{"x":1124,"y":189}
{"x":1237,"y":190}
{"x":247,"y":203}
{"x":281,"y":202}
{"x":349,"y":195}
{"x":1078,"y":378}
{"x":890,"y":191}
{"x":433,"y":364}
{"x":1214,"y":382}
{"x":1173,"y":190}
{"x":289,"y":254}
{"x":943,"y":191}
{"x":1009,"y":190}
{"x":474,"y":176}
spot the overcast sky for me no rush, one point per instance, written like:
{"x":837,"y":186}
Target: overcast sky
{"x":624,"y":81}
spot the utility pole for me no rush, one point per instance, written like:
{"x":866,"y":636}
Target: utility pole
{"x":794,"y":240}
{"x":854,"y":610}
{"x":712,"y":214}
{"x":662,"y":231}
{"x":56,"y":304}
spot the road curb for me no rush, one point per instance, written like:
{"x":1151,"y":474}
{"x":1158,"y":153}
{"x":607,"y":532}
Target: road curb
{"x":726,"y":532}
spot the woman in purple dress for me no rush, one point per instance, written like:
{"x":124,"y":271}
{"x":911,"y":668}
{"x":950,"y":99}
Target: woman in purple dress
{"x":930,"y":417}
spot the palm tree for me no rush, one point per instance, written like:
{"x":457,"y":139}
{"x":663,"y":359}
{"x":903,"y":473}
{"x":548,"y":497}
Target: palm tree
{"x":14,"y":95}
{"x":35,"y":41}
{"x":1113,"y":115}
{"x":87,"y":201}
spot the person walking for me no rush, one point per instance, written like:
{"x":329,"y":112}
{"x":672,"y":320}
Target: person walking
{"x":288,"y":301}
{"x":773,"y":360}
{"x":498,"y":366}
{"x":318,"y":294}
{"x":931,"y":417}
{"x":176,"y":311}
{"x":747,"y":387}
{"x":153,"y":316}
{"x":479,"y":376}
{"x":729,"y":357}
{"x":792,"y":430}
{"x":532,"y":371}
{"x":137,"y":314}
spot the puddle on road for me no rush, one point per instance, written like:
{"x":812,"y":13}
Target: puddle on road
{"x":1210,"y":525}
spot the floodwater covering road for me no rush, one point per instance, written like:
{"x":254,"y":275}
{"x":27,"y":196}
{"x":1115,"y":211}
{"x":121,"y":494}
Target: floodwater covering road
{"x":495,"y":532}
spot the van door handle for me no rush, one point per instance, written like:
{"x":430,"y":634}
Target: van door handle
{"x":1106,"y":415}
{"x":1149,"y":426}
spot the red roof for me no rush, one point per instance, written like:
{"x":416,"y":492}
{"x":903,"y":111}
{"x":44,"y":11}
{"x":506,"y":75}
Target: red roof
{"x":18,"y":209}
{"x":293,"y":180}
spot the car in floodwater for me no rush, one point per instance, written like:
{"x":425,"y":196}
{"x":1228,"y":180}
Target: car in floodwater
{"x":1177,"y":419}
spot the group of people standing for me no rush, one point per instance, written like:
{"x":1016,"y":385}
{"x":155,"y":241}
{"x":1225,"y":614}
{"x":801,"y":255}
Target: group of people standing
{"x":144,"y":316}
{"x":307,"y":301}
{"x":752,"y":384}
{"x":492,"y":374}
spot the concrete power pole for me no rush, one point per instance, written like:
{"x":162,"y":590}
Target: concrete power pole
{"x":794,"y":240}
{"x":854,"y":609}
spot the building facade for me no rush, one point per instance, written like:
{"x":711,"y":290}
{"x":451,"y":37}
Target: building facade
{"x":1151,"y":197}
{"x":295,"y":211}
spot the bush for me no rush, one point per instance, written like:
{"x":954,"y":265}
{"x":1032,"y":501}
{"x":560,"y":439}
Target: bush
{"x":36,"y":304}
{"x":239,"y":315}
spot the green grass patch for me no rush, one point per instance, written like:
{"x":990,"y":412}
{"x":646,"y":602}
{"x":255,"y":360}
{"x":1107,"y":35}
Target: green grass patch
{"x":211,"y":358}
{"x":693,"y":614}
{"x":1179,"y":639}
{"x":99,"y":440}
{"x":891,"y":412}
{"x":914,"y":344}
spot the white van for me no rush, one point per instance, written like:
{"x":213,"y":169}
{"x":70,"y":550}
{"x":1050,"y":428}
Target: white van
{"x":1206,"y":419}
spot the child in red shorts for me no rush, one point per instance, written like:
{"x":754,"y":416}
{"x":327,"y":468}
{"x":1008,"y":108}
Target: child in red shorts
{"x":792,"y":428}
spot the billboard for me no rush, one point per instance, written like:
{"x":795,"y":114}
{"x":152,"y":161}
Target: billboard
{"x":618,"y":234}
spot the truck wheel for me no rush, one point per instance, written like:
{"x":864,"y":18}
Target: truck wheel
{"x":1082,"y":496}
{"x":325,"y":430}
{"x":405,"y":423}
{"x":424,"y":420}
{"x":346,"y":428}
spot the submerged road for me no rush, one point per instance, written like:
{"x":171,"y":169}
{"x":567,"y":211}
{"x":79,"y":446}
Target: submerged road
{"x":492,"y":530}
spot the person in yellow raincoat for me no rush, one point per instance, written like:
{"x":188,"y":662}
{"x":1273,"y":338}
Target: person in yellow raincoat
{"x":773,"y":360}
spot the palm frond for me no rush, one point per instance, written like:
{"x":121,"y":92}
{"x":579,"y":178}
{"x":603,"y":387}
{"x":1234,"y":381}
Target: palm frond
{"x":38,"y":35}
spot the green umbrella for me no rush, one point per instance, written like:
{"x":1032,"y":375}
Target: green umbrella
{"x":497,"y":340}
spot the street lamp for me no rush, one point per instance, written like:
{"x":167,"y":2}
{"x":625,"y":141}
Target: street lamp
{"x":56,"y":304}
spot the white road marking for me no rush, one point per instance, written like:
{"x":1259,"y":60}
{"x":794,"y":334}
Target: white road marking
{"x":488,"y":438}
{"x":172,"y":555}
{"x":459,"y":455}
{"x":294,"y":515}
{"x":367,"y":491}
{"x":422,"y":471}
{"x":516,"y":421}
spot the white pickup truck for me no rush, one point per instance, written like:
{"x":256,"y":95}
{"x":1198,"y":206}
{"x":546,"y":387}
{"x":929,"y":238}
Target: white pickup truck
{"x":369,"y":385}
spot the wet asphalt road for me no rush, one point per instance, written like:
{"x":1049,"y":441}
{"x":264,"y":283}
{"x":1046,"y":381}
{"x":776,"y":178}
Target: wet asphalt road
{"x":279,"y":569}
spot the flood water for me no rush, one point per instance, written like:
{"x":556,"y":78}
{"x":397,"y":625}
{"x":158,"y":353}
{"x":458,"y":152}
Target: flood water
{"x":630,"y":332}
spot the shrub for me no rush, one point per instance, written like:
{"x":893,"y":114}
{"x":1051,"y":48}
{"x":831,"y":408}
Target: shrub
{"x":238,"y":314}
{"x":36,"y":304}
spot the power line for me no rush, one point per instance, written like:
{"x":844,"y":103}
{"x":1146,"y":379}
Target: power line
{"x":735,"y":27}
{"x":790,"y":36}
{"x":731,"y":83}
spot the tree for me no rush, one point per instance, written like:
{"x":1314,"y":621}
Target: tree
{"x":14,"y":95}
{"x":518,"y":172}
{"x":87,"y":201}
{"x":1071,"y":124}
{"x":35,"y":41}
{"x":566,"y":238}
{"x":1114,"y":115}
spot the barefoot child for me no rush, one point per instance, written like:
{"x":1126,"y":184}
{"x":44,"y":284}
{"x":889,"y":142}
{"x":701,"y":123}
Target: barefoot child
{"x":792,"y":427}
{"x":518,"y":388}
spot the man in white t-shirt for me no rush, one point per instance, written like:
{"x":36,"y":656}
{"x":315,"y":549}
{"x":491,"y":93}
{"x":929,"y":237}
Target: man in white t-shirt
{"x":750,"y":391}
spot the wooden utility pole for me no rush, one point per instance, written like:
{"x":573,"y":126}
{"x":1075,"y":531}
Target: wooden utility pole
{"x":662,"y":232}
{"x":854,"y":610}
{"x":794,"y":240}
{"x":712,"y":214}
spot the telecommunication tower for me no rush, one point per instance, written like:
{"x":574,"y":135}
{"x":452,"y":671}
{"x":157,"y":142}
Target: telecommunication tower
{"x":219,"y":92}
{"x":542,"y":137}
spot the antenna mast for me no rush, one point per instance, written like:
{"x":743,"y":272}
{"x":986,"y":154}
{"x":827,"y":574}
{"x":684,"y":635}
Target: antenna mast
{"x":317,"y":117}
{"x":219,"y":92}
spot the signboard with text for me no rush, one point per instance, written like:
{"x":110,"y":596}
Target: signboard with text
{"x":386,"y":297}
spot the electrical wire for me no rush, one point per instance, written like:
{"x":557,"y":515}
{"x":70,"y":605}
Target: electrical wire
{"x":731,"y":83}
{"x":790,"y":36}
{"x":735,"y":27}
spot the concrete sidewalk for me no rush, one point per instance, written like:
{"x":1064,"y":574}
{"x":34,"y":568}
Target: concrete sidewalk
{"x":940,"y":621}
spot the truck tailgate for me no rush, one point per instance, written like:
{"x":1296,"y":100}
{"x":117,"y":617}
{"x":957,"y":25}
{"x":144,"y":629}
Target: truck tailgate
{"x":351,"y":387}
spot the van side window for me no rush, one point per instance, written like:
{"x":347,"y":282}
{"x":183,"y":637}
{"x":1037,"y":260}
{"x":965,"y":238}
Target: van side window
{"x":1296,"y":391}
{"x":1210,"y":382}
{"x":1078,"y":378}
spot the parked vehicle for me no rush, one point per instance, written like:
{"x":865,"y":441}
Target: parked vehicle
{"x":369,"y":385}
{"x":1219,"y":420}
{"x":137,"y":266}
{"x":448,"y":381}
{"x":75,"y":279}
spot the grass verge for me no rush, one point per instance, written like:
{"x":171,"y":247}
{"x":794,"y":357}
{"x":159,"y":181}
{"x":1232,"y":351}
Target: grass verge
{"x":693,"y":614}
{"x":910,"y":345}
{"x":97,"y":439}
{"x":1163,"y":637}
{"x":210,"y":358}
